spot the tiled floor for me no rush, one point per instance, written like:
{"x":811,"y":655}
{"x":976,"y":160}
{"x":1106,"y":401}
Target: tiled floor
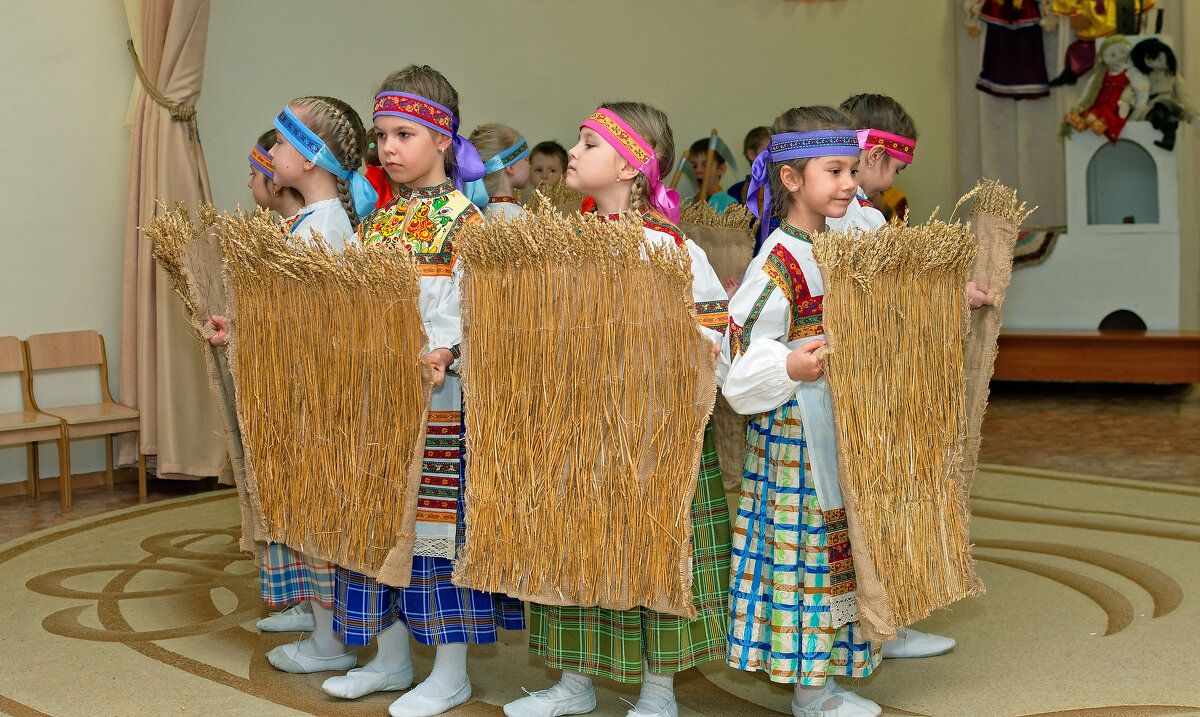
{"x":1126,"y":431}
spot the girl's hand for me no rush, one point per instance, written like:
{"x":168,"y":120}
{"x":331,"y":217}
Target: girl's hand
{"x":731,"y":286}
{"x":438,"y":360}
{"x":802,"y":365}
{"x":977,"y":294}
{"x":221,"y":324}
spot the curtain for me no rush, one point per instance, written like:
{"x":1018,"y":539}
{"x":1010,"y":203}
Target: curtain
{"x":161,"y":371}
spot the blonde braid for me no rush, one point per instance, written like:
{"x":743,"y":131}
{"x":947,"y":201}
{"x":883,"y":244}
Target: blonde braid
{"x":637,"y":196}
{"x":342,"y":130}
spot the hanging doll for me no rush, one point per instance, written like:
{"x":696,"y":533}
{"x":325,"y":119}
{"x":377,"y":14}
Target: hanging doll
{"x":1014,"y":61}
{"x":1169,"y":102}
{"x":1094,"y":20}
{"x":1115,"y":92}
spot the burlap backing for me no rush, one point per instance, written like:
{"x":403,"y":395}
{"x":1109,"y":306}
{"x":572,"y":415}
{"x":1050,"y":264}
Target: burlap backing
{"x":894,"y":318}
{"x":587,"y":386}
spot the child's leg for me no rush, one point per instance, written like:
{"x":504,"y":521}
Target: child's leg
{"x":446,"y":687}
{"x":573,"y":695}
{"x":391,"y":669}
{"x":322,"y":651}
{"x":657,"y":698}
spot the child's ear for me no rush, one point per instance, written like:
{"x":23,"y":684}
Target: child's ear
{"x":791,"y":177}
{"x":875,"y":155}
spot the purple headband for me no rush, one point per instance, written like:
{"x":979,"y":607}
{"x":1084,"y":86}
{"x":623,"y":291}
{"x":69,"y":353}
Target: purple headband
{"x":794,"y":145}
{"x":439,"y":119}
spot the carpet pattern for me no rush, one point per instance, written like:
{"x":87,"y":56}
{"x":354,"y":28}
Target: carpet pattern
{"x":1090,"y":611}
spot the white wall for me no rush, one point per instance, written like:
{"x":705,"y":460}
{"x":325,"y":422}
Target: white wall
{"x":66,"y":81}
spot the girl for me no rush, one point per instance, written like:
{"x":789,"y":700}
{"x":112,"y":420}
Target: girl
{"x":506,"y":162}
{"x":794,"y":614}
{"x":416,"y":136}
{"x":616,"y":161}
{"x":285,"y":201}
{"x":319,"y":145}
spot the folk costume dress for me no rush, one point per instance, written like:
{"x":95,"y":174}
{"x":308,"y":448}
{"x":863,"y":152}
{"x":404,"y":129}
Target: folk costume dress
{"x":794,"y":613}
{"x":502,"y":206}
{"x":1014,"y":59}
{"x":425,"y":222}
{"x":287,"y":576}
{"x":614,"y":643}
{"x":860,"y":213}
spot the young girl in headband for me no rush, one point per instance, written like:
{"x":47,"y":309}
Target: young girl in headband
{"x":416,"y":136}
{"x":506,"y":161}
{"x":792,"y":592}
{"x":284,"y":201}
{"x":621,"y":150}
{"x":887,"y":140}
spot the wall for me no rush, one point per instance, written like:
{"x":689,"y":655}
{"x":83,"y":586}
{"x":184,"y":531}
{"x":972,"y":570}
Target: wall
{"x":66,"y":84}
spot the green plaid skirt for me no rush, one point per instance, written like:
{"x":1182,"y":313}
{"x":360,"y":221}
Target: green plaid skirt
{"x":613,"y":643}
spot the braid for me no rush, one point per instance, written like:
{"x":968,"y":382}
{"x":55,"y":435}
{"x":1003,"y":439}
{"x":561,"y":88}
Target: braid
{"x":638,"y":195}
{"x":342,"y":130}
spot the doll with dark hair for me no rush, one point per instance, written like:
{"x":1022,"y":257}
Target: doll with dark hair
{"x":1170,"y":102}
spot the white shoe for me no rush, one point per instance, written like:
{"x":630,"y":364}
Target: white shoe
{"x":297,"y":618}
{"x":671,"y":710}
{"x":557,"y":700}
{"x":423,"y":701}
{"x":655,"y":701}
{"x":854,"y":697}
{"x":290,"y":658}
{"x":912,"y":643}
{"x":360,"y":682}
{"x":845,"y":709}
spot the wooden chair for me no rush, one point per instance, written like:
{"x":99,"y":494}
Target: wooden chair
{"x":27,"y":426}
{"x":73,"y":349}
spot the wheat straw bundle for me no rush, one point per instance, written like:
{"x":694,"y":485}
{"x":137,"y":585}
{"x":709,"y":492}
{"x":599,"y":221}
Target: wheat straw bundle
{"x":190,"y":255}
{"x":587,"y":388}
{"x":996,"y":219}
{"x":894,"y":309}
{"x":725,"y":237}
{"x":565,"y":199}
{"x":331,"y":395}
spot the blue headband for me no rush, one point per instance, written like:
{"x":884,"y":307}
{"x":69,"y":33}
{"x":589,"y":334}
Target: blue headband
{"x":508,"y":157}
{"x":794,"y":145}
{"x":313,"y":148}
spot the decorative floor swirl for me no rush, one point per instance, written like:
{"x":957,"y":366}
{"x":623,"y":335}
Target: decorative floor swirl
{"x":150,"y":610}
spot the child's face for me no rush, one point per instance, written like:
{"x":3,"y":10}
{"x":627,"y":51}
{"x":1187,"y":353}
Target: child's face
{"x":409,"y":152}
{"x":756,"y":150}
{"x":594,"y":164}
{"x":828,"y":186}
{"x":699,"y":162}
{"x":520,"y":174}
{"x":881,"y":177}
{"x":545,"y":168}
{"x":288,"y":162}
{"x":259,"y":189}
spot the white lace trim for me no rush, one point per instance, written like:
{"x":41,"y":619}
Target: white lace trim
{"x":434,"y":546}
{"x":843,"y":610}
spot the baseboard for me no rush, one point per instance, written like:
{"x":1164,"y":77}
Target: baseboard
{"x":78,"y":480}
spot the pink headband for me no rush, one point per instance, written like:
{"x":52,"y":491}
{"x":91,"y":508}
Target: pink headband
{"x":902,"y":148}
{"x":640,"y":154}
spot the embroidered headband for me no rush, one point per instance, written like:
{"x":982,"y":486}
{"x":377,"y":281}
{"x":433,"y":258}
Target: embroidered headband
{"x":631,"y":146}
{"x":508,"y":157}
{"x":794,"y":145}
{"x":439,"y":119}
{"x":313,"y":148}
{"x":260,"y":160}
{"x":902,"y":148}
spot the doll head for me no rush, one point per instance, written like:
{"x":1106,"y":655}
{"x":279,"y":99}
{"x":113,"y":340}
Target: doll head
{"x":1153,"y":54}
{"x":1114,"y":53}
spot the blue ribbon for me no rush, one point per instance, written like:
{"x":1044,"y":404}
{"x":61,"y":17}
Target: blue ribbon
{"x":508,"y":157}
{"x":314,"y":149}
{"x":477,"y":193}
{"x":793,"y":145}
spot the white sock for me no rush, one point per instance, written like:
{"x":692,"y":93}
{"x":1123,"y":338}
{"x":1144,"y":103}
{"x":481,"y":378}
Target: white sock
{"x":575,"y":682}
{"x":449,"y":672}
{"x":808,"y":696}
{"x":658,"y":691}
{"x":323,"y":642}
{"x":390,"y":670}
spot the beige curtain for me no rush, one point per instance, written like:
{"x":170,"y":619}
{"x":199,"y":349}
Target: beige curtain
{"x":162,"y":372}
{"x":1014,"y":141}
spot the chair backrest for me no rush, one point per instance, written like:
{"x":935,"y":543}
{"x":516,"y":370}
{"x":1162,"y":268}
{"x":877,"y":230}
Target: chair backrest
{"x":69,"y":349}
{"x":12,"y":359}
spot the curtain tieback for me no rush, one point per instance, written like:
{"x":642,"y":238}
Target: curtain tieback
{"x":179,"y":111}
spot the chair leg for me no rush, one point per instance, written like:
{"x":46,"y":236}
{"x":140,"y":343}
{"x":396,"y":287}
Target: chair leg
{"x":31,"y":459}
{"x":141,"y":467}
{"x":108,"y":461}
{"x":64,"y":471}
